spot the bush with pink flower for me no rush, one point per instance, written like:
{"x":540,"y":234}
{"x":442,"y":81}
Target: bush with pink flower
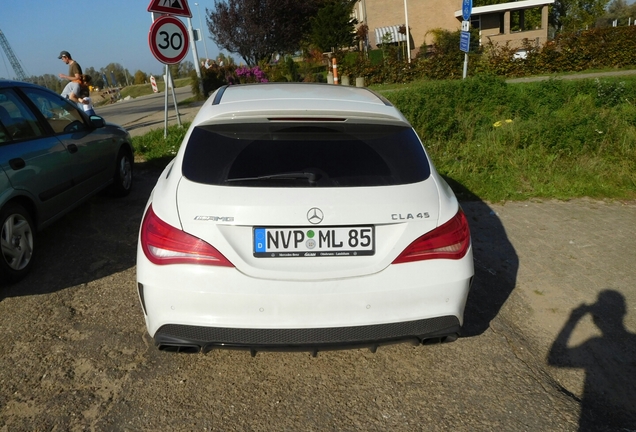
{"x":246,"y":74}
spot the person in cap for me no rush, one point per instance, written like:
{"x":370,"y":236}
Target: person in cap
{"x":74,"y":69}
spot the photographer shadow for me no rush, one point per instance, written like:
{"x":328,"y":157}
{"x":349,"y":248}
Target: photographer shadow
{"x":609,"y":393}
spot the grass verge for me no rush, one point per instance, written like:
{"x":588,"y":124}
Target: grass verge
{"x":157,"y":150}
{"x":146,"y":89}
{"x":552,"y":139}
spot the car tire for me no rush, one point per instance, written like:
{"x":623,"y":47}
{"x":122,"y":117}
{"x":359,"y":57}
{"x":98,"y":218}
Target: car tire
{"x":17,"y":241}
{"x":123,"y":177}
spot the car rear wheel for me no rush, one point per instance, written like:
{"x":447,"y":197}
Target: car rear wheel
{"x":123,"y":178}
{"x":17,"y":242}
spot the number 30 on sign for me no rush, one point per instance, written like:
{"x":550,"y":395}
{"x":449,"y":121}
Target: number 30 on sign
{"x":168,"y":40}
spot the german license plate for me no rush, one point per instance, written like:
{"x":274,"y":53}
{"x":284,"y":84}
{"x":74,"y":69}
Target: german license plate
{"x":314,"y":242}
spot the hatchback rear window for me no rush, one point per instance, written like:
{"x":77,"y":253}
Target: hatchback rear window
{"x":305,"y":154}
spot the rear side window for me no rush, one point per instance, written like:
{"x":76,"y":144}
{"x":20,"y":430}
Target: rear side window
{"x":17,"y":122}
{"x":305,"y":155}
{"x":62,"y":115}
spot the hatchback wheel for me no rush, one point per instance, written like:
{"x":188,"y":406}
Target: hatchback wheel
{"x":123,"y":177}
{"x":17,"y":241}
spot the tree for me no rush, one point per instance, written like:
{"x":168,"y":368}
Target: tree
{"x":257,"y":29}
{"x":619,"y":11}
{"x":182,"y":69}
{"x":185,"y":67}
{"x":140,"y":77}
{"x":52,"y":82}
{"x":617,"y":6}
{"x":572,"y":15}
{"x":227,"y":60}
{"x":121,"y":74}
{"x":333,"y":28}
{"x":568,"y":15}
{"x":362,"y":35}
{"x":174,"y":71}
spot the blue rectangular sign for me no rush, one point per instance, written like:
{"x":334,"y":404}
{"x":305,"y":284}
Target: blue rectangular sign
{"x":464,"y":41}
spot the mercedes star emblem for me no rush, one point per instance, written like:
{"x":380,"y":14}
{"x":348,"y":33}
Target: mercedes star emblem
{"x":315,"y":215}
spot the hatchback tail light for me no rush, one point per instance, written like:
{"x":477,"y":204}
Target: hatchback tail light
{"x":449,"y":241}
{"x":164,"y":244}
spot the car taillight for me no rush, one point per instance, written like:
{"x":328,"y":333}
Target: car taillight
{"x":165,"y":244}
{"x":449,"y":241}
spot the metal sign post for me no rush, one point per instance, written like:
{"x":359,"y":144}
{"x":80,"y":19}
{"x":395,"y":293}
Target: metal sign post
{"x":174,"y":99}
{"x":464,"y":45}
{"x":169,"y":40}
{"x":165,"y":104}
{"x":464,"y":41}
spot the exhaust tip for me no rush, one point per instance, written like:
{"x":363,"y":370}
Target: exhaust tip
{"x":187,"y":349}
{"x":440,"y":339}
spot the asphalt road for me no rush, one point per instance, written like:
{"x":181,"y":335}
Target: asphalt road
{"x":76,"y":356}
{"x":141,"y":114}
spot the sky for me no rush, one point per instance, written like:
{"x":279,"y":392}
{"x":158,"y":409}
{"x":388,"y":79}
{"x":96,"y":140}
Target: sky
{"x":95,"y":32}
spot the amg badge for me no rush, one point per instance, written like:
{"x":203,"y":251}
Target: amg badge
{"x":215,"y":218}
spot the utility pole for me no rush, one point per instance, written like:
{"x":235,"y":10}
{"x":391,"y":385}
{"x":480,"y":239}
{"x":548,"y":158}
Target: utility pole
{"x":408,"y":36}
{"x":202,"y":35}
{"x":195,"y":54}
{"x":126,"y":73}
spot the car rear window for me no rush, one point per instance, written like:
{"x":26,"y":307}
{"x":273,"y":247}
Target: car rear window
{"x":307,"y":154}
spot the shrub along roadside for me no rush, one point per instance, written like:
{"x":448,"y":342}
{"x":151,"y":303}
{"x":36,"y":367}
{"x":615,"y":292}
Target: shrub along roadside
{"x":551,"y":139}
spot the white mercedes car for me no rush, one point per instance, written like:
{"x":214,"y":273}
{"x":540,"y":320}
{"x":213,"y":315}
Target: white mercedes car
{"x":301,"y":217}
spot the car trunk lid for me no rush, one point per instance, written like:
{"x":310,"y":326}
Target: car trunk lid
{"x":382,"y":220}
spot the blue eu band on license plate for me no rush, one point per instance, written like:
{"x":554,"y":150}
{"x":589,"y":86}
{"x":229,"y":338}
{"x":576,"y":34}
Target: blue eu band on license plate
{"x":314,"y":242}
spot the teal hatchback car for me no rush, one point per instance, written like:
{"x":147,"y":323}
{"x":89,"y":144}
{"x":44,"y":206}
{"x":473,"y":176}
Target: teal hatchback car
{"x":52,"y":158}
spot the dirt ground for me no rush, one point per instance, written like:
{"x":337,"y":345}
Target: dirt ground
{"x":76,"y":355}
{"x":102,"y":97}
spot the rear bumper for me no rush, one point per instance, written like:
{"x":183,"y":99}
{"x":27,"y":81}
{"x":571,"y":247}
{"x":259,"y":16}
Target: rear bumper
{"x":202,"y":307}
{"x":172,"y":337}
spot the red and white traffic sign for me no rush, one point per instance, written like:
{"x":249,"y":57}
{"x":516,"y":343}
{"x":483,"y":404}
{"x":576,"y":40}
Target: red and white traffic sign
{"x":168,"y":40}
{"x":153,"y":83}
{"x":172,"y":7}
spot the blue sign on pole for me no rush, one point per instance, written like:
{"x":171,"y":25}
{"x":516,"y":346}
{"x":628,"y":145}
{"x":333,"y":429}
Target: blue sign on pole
{"x":464,"y":41}
{"x":467,"y":9}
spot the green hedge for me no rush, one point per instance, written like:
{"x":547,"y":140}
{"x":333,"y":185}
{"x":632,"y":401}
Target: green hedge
{"x":612,"y":47}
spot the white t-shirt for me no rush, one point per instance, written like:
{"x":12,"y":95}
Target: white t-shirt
{"x":87,"y":104}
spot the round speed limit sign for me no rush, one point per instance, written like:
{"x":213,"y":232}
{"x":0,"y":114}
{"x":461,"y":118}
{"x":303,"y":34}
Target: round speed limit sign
{"x":168,"y":40}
